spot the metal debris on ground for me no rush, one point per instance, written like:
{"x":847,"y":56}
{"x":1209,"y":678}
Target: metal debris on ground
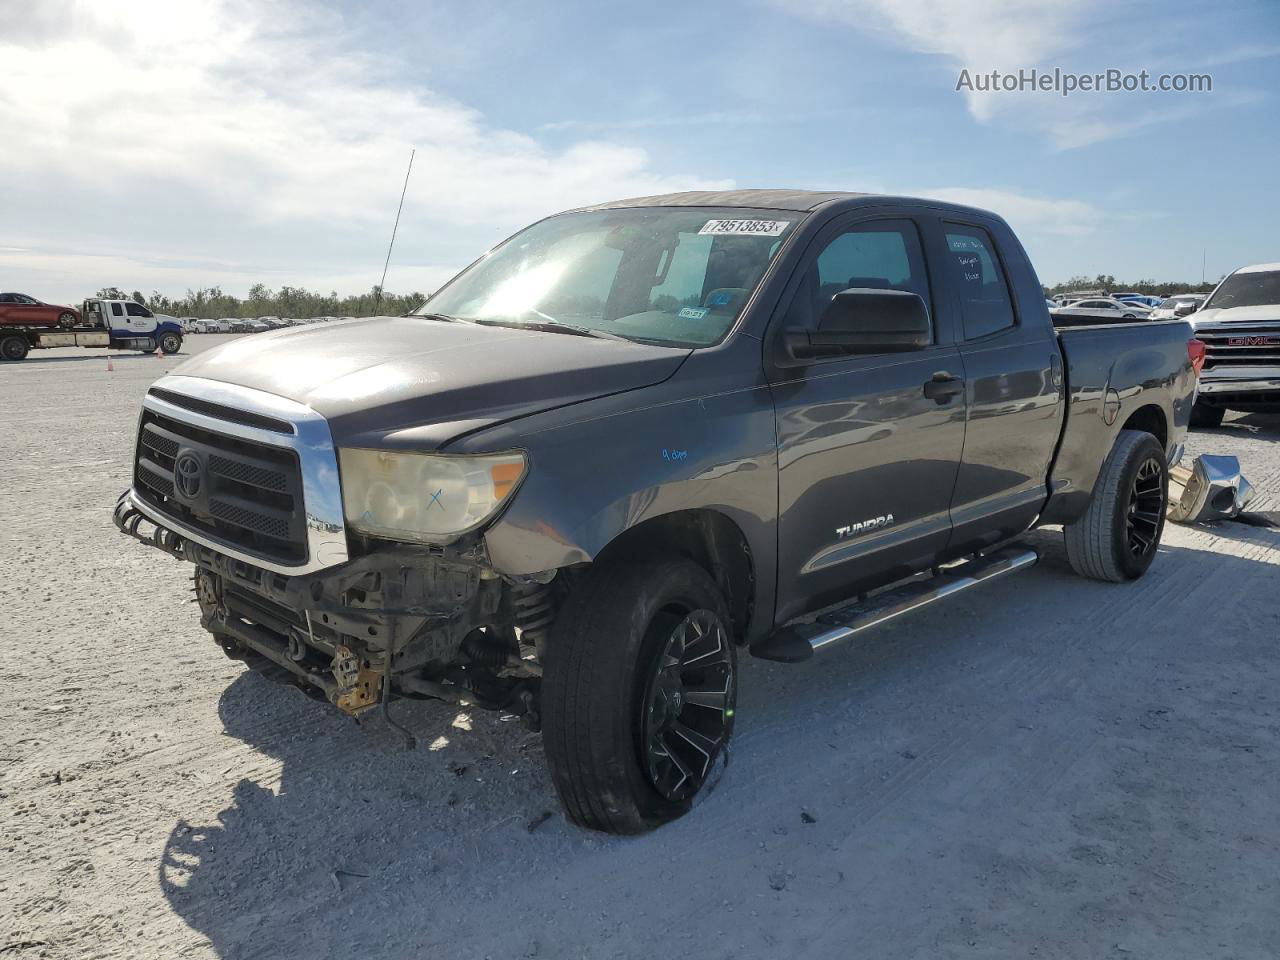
{"x":1212,"y":488}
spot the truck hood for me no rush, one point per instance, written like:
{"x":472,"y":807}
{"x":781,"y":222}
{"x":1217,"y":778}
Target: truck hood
{"x":414,"y":383}
{"x":1260,"y":314}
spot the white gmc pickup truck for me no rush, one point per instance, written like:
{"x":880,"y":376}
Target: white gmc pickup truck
{"x":1240,"y":327}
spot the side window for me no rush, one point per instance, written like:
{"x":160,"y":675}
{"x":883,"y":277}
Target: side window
{"x":6,"y":298}
{"x":881,"y":255}
{"x":137,"y":309}
{"x":984,"y":296}
{"x":117,"y":310}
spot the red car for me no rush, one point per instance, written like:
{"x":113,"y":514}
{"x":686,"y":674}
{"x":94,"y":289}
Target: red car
{"x":19,"y":310}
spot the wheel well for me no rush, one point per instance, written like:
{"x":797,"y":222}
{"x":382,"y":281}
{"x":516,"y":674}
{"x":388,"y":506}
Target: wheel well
{"x":1150,"y":419}
{"x":708,"y":538}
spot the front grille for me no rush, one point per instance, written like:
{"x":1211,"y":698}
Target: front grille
{"x":248,"y":495}
{"x":1241,"y":345}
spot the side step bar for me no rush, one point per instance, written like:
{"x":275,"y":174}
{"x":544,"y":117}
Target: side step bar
{"x":800,"y":641}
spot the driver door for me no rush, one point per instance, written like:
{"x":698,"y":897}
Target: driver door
{"x":141,"y":320}
{"x":868,"y":451}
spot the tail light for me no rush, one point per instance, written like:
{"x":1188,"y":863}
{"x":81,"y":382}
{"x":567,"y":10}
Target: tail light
{"x":1195,"y":353}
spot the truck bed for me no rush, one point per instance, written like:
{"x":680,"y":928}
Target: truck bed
{"x":1116,"y":371}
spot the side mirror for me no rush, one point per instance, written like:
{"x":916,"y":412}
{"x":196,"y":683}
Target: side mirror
{"x":1185,"y":309}
{"x":861,"y":321}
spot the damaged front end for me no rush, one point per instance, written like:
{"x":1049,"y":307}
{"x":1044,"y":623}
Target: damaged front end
{"x":393,"y":622}
{"x":246,"y":486}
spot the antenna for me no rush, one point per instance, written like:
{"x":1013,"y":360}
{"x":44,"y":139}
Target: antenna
{"x":377,"y":300}
{"x":1204,"y":255}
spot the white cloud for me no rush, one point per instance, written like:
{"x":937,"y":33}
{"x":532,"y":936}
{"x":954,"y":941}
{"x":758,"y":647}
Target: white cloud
{"x":1029,"y":215}
{"x":978,"y":35}
{"x":259,"y":126}
{"x":1076,"y":36}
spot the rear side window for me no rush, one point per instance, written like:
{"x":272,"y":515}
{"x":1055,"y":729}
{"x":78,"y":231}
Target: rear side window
{"x":117,"y":310}
{"x":984,"y":296}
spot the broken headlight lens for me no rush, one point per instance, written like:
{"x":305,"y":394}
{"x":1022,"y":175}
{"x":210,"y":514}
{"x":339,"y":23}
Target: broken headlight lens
{"x":424,"y":497}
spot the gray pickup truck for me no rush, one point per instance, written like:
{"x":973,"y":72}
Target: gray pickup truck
{"x":639,"y":437}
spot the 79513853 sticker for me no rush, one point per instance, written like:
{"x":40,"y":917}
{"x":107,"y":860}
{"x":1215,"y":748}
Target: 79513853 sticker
{"x":744,"y":228}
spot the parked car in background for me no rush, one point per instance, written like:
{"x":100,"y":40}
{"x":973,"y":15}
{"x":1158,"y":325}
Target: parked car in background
{"x":1240,"y":327}
{"x":1178,"y":305}
{"x":1142,"y":298}
{"x":1120,"y":309}
{"x":21,"y":310}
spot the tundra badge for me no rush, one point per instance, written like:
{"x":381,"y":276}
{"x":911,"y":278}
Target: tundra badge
{"x":864,"y":526}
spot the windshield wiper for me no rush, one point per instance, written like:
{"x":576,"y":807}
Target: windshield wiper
{"x":554,"y":326}
{"x":444,"y":317}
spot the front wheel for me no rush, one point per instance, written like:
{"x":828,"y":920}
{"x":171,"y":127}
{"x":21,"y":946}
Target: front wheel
{"x":1117,"y":538}
{"x":170,"y":343}
{"x":638,"y":694}
{"x":14,"y":348}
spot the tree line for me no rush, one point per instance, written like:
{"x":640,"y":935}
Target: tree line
{"x":211,"y":303}
{"x":1152,"y":288}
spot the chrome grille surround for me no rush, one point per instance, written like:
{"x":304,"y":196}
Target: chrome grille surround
{"x":311,"y":442}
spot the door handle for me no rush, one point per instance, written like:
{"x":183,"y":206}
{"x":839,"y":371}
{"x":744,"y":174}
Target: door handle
{"x":943,"y":387}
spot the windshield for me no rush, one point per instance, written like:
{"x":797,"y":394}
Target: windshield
{"x":678,"y":275}
{"x":1253,"y":289}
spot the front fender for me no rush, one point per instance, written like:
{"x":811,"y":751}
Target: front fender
{"x":599,"y":469}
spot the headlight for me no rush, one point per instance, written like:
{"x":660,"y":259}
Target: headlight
{"x":423,"y":497}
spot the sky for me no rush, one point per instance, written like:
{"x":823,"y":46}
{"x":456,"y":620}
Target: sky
{"x":173,"y":144}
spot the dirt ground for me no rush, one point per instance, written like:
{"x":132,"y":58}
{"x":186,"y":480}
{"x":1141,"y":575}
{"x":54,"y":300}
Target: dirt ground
{"x":1047,"y":767}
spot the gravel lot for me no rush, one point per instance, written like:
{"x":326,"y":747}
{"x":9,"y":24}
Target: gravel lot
{"x":1045,"y":768}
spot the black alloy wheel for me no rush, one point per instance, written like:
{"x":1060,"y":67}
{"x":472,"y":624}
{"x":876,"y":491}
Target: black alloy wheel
{"x":1145,"y":507}
{"x":688,"y":702}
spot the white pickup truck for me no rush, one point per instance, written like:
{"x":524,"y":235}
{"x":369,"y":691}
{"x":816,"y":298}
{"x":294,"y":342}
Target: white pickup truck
{"x":1240,"y":327}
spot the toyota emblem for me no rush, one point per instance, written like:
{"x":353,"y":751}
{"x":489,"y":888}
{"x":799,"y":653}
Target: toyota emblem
{"x":186,"y":475}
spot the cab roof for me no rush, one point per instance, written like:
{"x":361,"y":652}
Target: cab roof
{"x":769,"y":199}
{"x":1260,"y":268}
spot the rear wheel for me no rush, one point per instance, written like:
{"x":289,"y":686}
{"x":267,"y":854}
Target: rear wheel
{"x":638,"y":694}
{"x":67,"y":320}
{"x":14,"y":348}
{"x":170,"y":343}
{"x":1117,"y":538}
{"x":1203,"y":415}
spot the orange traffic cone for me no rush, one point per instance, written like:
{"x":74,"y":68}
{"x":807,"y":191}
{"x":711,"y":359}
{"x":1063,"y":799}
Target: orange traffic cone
{"x":157,"y":353}
{"x":110,"y":368}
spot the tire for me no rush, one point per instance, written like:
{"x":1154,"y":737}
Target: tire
{"x":610,"y":709}
{"x":1128,"y":316}
{"x":1117,"y":538}
{"x":67,"y":320}
{"x":170,"y":343}
{"x":1203,"y":415}
{"x":14,"y":348}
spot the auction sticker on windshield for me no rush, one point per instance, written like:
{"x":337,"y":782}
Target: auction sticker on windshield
{"x":745,"y":228}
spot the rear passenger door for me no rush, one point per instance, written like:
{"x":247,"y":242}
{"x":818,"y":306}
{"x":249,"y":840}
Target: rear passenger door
{"x":1013,"y":375}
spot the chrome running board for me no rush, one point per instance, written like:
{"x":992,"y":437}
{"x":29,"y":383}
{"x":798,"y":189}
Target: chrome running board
{"x":800,"y":641}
